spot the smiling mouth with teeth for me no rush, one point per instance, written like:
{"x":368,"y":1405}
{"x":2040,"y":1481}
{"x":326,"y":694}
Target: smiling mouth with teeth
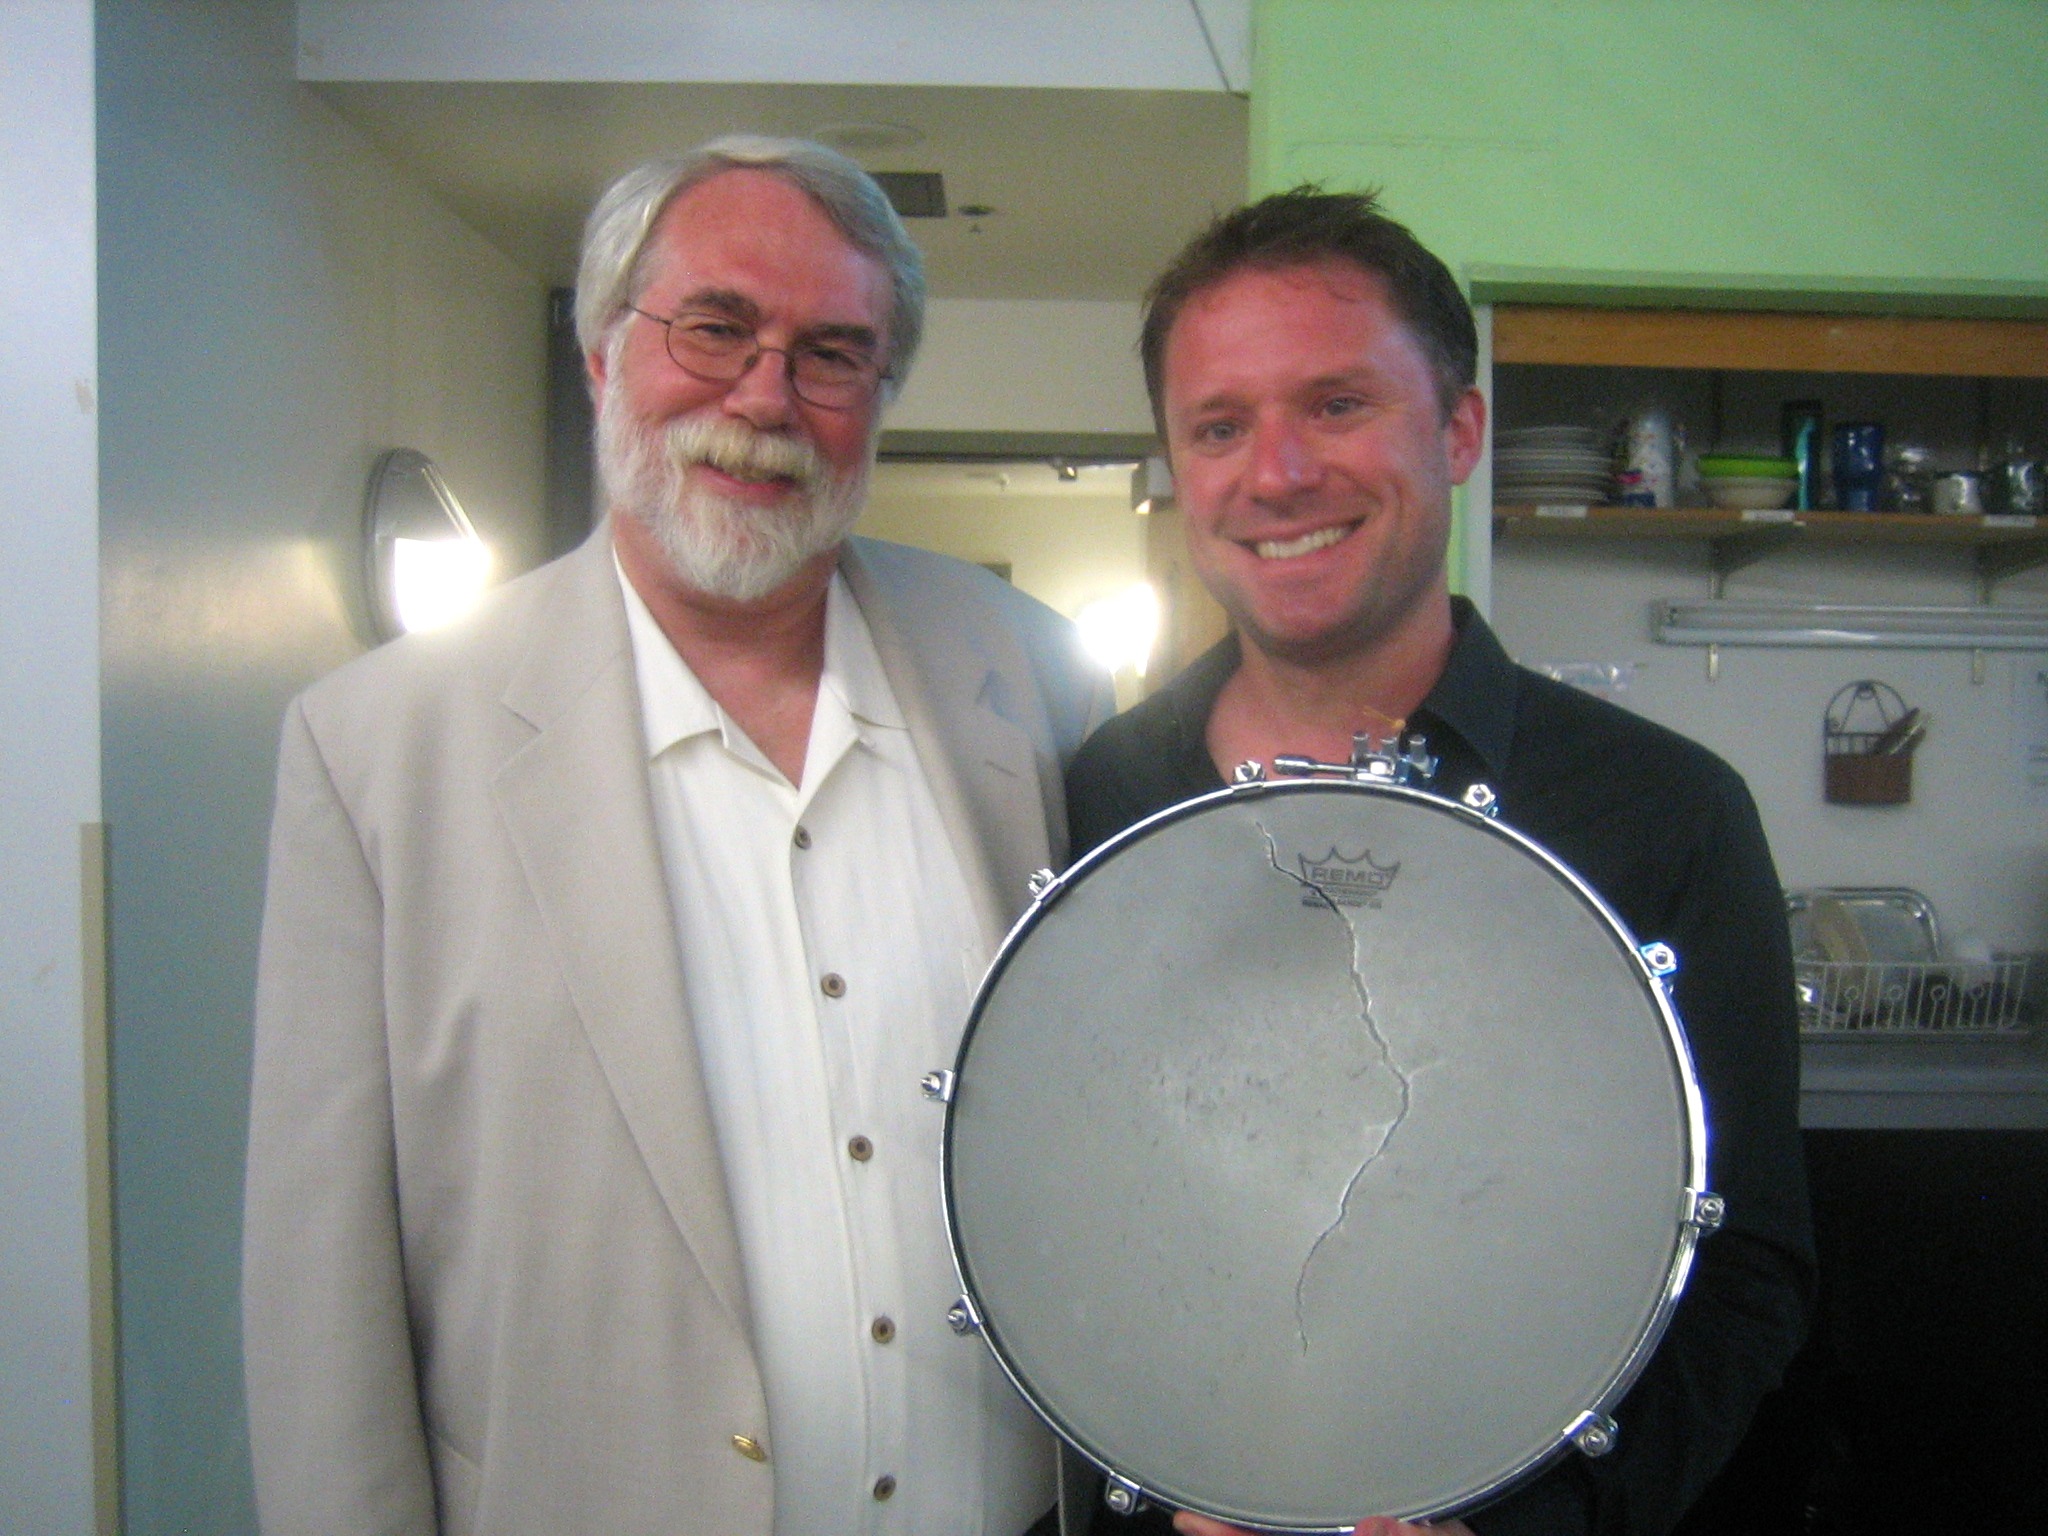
{"x":753,"y":458}
{"x":752,"y":474}
{"x":752,"y":468}
{"x":1307,"y":544}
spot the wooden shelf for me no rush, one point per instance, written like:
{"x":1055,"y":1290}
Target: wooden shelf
{"x":1774,"y":341}
{"x":1810,"y":527}
{"x":1769,"y":340}
{"x":2003,"y":546}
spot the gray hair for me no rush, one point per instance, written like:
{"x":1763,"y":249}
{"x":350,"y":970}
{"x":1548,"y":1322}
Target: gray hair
{"x":612,"y":273}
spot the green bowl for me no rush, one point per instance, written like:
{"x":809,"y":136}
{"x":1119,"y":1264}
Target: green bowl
{"x":1714,"y":466}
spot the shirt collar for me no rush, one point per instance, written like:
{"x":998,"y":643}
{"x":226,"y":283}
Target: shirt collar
{"x":674,"y":705}
{"x":853,"y":667}
{"x":1475,"y":695}
{"x":1474,"y":698}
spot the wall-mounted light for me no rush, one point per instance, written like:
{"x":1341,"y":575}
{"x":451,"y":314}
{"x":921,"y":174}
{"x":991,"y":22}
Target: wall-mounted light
{"x":1120,"y":631}
{"x":422,"y":559}
{"x":1897,"y":626}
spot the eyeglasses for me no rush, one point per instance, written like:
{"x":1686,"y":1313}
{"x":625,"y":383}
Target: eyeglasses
{"x":720,"y":350}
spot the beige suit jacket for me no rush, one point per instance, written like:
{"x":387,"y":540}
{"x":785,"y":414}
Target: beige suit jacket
{"x":491,"y":1280}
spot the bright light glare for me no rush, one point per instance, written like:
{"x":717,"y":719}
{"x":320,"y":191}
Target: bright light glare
{"x":436,"y":581}
{"x":1119,"y":631}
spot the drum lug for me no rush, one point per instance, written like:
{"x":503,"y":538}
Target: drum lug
{"x":1481,"y":798}
{"x":1406,"y":761}
{"x":1593,"y":1433}
{"x":1417,"y":766}
{"x":962,"y":1318}
{"x":938,"y":1086}
{"x":1705,"y":1209}
{"x":1123,"y":1495}
{"x":1041,"y":881}
{"x":1250,"y":771}
{"x":1661,"y":958}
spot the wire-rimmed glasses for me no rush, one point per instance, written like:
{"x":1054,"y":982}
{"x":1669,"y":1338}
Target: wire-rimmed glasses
{"x":834,"y":375}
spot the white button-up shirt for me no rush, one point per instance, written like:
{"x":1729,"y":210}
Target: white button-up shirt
{"x":829,"y":955}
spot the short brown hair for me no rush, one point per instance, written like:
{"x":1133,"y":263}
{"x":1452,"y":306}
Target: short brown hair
{"x":1307,"y":225}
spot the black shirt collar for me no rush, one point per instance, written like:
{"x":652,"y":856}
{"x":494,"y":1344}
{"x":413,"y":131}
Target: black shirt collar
{"x":1474,"y":698}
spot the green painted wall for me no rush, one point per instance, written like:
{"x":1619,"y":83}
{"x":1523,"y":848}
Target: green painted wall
{"x":1873,"y":147}
{"x":1834,"y":154}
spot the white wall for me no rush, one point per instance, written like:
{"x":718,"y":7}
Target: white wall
{"x":1975,"y":837}
{"x":277,"y":305}
{"x":1018,"y":365}
{"x":1067,"y":543}
{"x":49,"y":754}
{"x":1199,"y":45}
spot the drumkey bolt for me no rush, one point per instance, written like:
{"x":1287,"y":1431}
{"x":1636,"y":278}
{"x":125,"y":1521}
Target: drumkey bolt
{"x":1595,"y":1434}
{"x":1122,"y":1495}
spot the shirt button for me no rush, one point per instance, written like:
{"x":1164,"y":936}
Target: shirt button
{"x":884,"y":1486}
{"x":803,"y":837}
{"x":860,"y":1149}
{"x":749,"y":1447}
{"x":833,"y":984}
{"x":883,"y":1329}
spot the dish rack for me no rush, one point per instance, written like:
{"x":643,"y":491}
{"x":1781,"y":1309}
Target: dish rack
{"x":1948,"y":999}
{"x":1867,"y":964}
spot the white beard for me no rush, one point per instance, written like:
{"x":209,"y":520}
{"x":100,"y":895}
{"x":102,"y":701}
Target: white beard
{"x":721,"y":546}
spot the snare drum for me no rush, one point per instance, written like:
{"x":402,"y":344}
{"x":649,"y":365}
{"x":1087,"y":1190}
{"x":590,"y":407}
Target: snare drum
{"x":1322,"y":1149}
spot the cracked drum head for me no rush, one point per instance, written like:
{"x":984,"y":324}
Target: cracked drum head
{"x":1319,"y":1150}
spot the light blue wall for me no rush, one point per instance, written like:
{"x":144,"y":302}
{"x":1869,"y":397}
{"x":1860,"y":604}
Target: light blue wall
{"x":49,"y":755}
{"x":279,"y":304}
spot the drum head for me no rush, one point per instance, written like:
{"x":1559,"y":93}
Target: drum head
{"x":1319,"y":1151}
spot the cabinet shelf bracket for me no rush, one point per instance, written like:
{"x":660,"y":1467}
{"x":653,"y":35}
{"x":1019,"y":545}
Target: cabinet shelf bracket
{"x":1995,"y":562}
{"x":1731,"y":552}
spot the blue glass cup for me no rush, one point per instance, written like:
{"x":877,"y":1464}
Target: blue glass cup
{"x":1858,"y":464}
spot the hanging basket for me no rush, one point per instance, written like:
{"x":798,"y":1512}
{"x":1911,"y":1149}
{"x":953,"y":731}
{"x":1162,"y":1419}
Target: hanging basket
{"x":1868,"y":736}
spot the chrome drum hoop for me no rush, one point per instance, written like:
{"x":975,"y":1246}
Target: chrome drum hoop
{"x":1320,"y":1149}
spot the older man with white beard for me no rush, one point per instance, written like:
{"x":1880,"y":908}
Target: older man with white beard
{"x":608,"y":935}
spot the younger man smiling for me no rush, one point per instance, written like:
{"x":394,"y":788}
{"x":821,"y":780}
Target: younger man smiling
{"x":1311,"y":370}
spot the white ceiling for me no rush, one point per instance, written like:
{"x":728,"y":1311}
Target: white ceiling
{"x":1093,"y":189}
{"x":1181,"y":45}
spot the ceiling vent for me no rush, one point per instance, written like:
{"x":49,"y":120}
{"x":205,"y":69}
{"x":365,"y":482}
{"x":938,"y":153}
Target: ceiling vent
{"x":914,"y":194}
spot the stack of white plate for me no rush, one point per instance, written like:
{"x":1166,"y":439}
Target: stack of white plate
{"x":1551,"y":465}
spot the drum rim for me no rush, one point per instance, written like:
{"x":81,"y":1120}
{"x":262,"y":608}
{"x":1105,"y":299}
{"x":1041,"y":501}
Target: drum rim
{"x":1685,"y":1242}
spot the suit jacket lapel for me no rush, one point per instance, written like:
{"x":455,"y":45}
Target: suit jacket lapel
{"x":945,"y":668}
{"x":575,"y":801}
